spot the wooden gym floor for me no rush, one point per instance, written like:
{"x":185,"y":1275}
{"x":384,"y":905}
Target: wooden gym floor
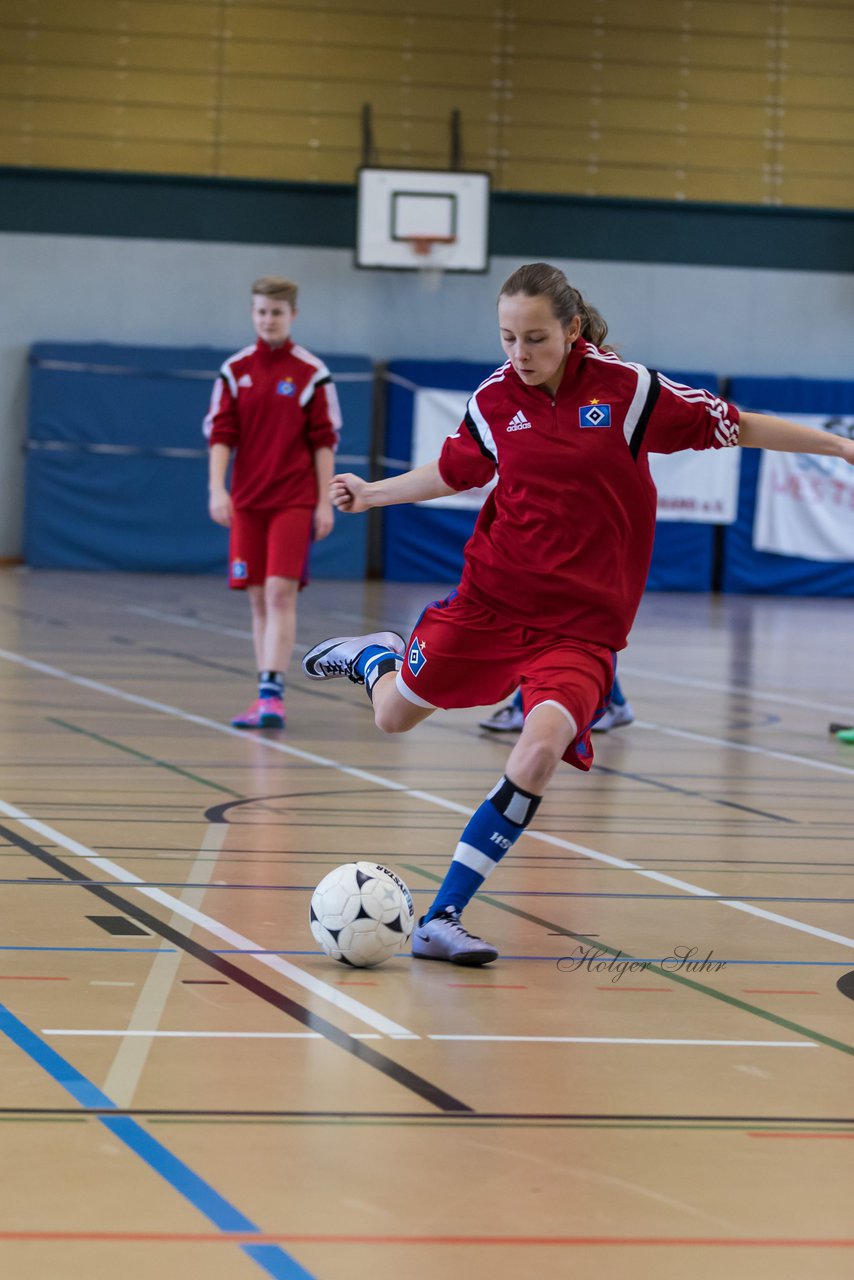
{"x":654,"y":1080}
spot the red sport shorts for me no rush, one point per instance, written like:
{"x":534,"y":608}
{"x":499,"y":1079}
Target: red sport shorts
{"x":463,"y":655}
{"x":269,"y":544}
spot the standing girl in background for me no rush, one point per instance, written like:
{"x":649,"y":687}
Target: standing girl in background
{"x":275,"y":407}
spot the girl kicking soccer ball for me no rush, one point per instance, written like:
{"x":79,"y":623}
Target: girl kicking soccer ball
{"x":555,"y":568}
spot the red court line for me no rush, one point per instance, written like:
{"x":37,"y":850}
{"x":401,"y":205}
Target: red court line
{"x":244,"y":1237}
{"x":775,"y":991}
{"x":29,"y":977}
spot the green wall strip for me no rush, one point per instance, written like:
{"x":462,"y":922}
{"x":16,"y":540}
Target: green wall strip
{"x":71,"y":202}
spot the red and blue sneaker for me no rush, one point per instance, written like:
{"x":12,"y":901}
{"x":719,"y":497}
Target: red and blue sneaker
{"x":265,"y":713}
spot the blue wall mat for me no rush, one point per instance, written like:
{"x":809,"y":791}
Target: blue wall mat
{"x":143,"y":511}
{"x":746,"y":571}
{"x":426,"y":545}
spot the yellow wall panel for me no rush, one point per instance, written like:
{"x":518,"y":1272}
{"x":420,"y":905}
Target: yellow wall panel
{"x":830,"y":191}
{"x":831,"y":126}
{"x":820,"y":22}
{"x":820,"y":57}
{"x":547,"y":43}
{"x":390,"y":8}
{"x":95,"y":120}
{"x":817,"y":157}
{"x":358,"y":30}
{"x":340,"y":62}
{"x":731,"y":100}
{"x":93,"y":153}
{"x":84,"y":49}
{"x":732,"y":18}
{"x":673,"y":48}
{"x":817,"y":91}
{"x":185,"y":18}
{"x":727,"y":16}
{"x":161,"y":87}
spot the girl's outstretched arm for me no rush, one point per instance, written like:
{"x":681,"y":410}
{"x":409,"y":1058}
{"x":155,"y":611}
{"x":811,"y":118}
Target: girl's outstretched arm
{"x":352,"y":494}
{"x":763,"y":431}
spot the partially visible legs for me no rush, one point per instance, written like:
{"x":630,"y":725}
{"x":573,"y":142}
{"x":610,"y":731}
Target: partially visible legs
{"x":268,"y":553}
{"x":619,"y":712}
{"x":374,"y":661}
{"x":460,"y":655}
{"x":273,"y":607}
{"x":490,"y":833}
{"x":507,"y":719}
{"x":511,"y":717}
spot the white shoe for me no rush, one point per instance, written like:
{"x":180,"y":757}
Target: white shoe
{"x":507,"y":719}
{"x":614,"y":717}
{"x":444,"y":938}
{"x":338,"y":656}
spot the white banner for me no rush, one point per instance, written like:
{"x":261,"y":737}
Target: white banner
{"x":691,"y":486}
{"x":697,"y":485}
{"x":805,"y":502}
{"x":436,"y":416}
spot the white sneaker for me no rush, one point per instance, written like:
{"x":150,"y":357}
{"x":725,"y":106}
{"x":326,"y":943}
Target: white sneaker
{"x":444,"y":938}
{"x":338,"y":656}
{"x":614,"y":717}
{"x":507,"y":719}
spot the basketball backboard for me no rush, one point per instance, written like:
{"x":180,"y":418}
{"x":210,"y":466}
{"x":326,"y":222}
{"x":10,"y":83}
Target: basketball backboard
{"x":412,"y":219}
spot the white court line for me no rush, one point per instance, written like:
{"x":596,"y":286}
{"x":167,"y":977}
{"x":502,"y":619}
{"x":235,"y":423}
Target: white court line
{"x":181,"y":621}
{"x":369,"y":1035}
{"x":824,"y":765}
{"x":204,"y":1035}
{"x":763,"y":1044}
{"x":760,"y":695}
{"x":387,"y":783}
{"x":320,"y":989}
{"x":122,"y":1080}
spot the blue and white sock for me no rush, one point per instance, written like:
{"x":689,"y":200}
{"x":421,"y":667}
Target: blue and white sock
{"x":271,"y":684}
{"x":618,"y":698}
{"x":491,"y":831}
{"x":376,"y":661}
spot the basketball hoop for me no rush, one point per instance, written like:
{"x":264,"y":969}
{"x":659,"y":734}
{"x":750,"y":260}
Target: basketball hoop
{"x":423,"y":248}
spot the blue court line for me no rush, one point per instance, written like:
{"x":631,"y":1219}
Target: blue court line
{"x":202,"y":1196}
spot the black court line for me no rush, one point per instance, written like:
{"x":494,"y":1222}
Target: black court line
{"x":119,"y":926}
{"x":264,"y":1114}
{"x":364,"y":1053}
{"x":219,"y":812}
{"x":698,"y":795}
{"x":112,"y":925}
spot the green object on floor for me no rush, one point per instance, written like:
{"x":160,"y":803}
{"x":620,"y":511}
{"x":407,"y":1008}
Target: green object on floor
{"x":846,"y":735}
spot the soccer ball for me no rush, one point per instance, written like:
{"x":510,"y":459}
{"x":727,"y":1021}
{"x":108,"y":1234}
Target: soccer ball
{"x":361,"y":914}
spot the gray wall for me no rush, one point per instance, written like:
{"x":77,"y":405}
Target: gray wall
{"x":730,"y":320}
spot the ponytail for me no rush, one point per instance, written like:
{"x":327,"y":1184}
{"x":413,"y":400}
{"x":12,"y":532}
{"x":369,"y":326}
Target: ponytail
{"x":539,"y":279}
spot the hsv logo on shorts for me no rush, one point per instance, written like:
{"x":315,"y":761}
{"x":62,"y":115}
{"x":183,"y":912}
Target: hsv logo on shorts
{"x":594,"y":415}
{"x":286,"y":387}
{"x":416,"y":657}
{"x":239,"y":570}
